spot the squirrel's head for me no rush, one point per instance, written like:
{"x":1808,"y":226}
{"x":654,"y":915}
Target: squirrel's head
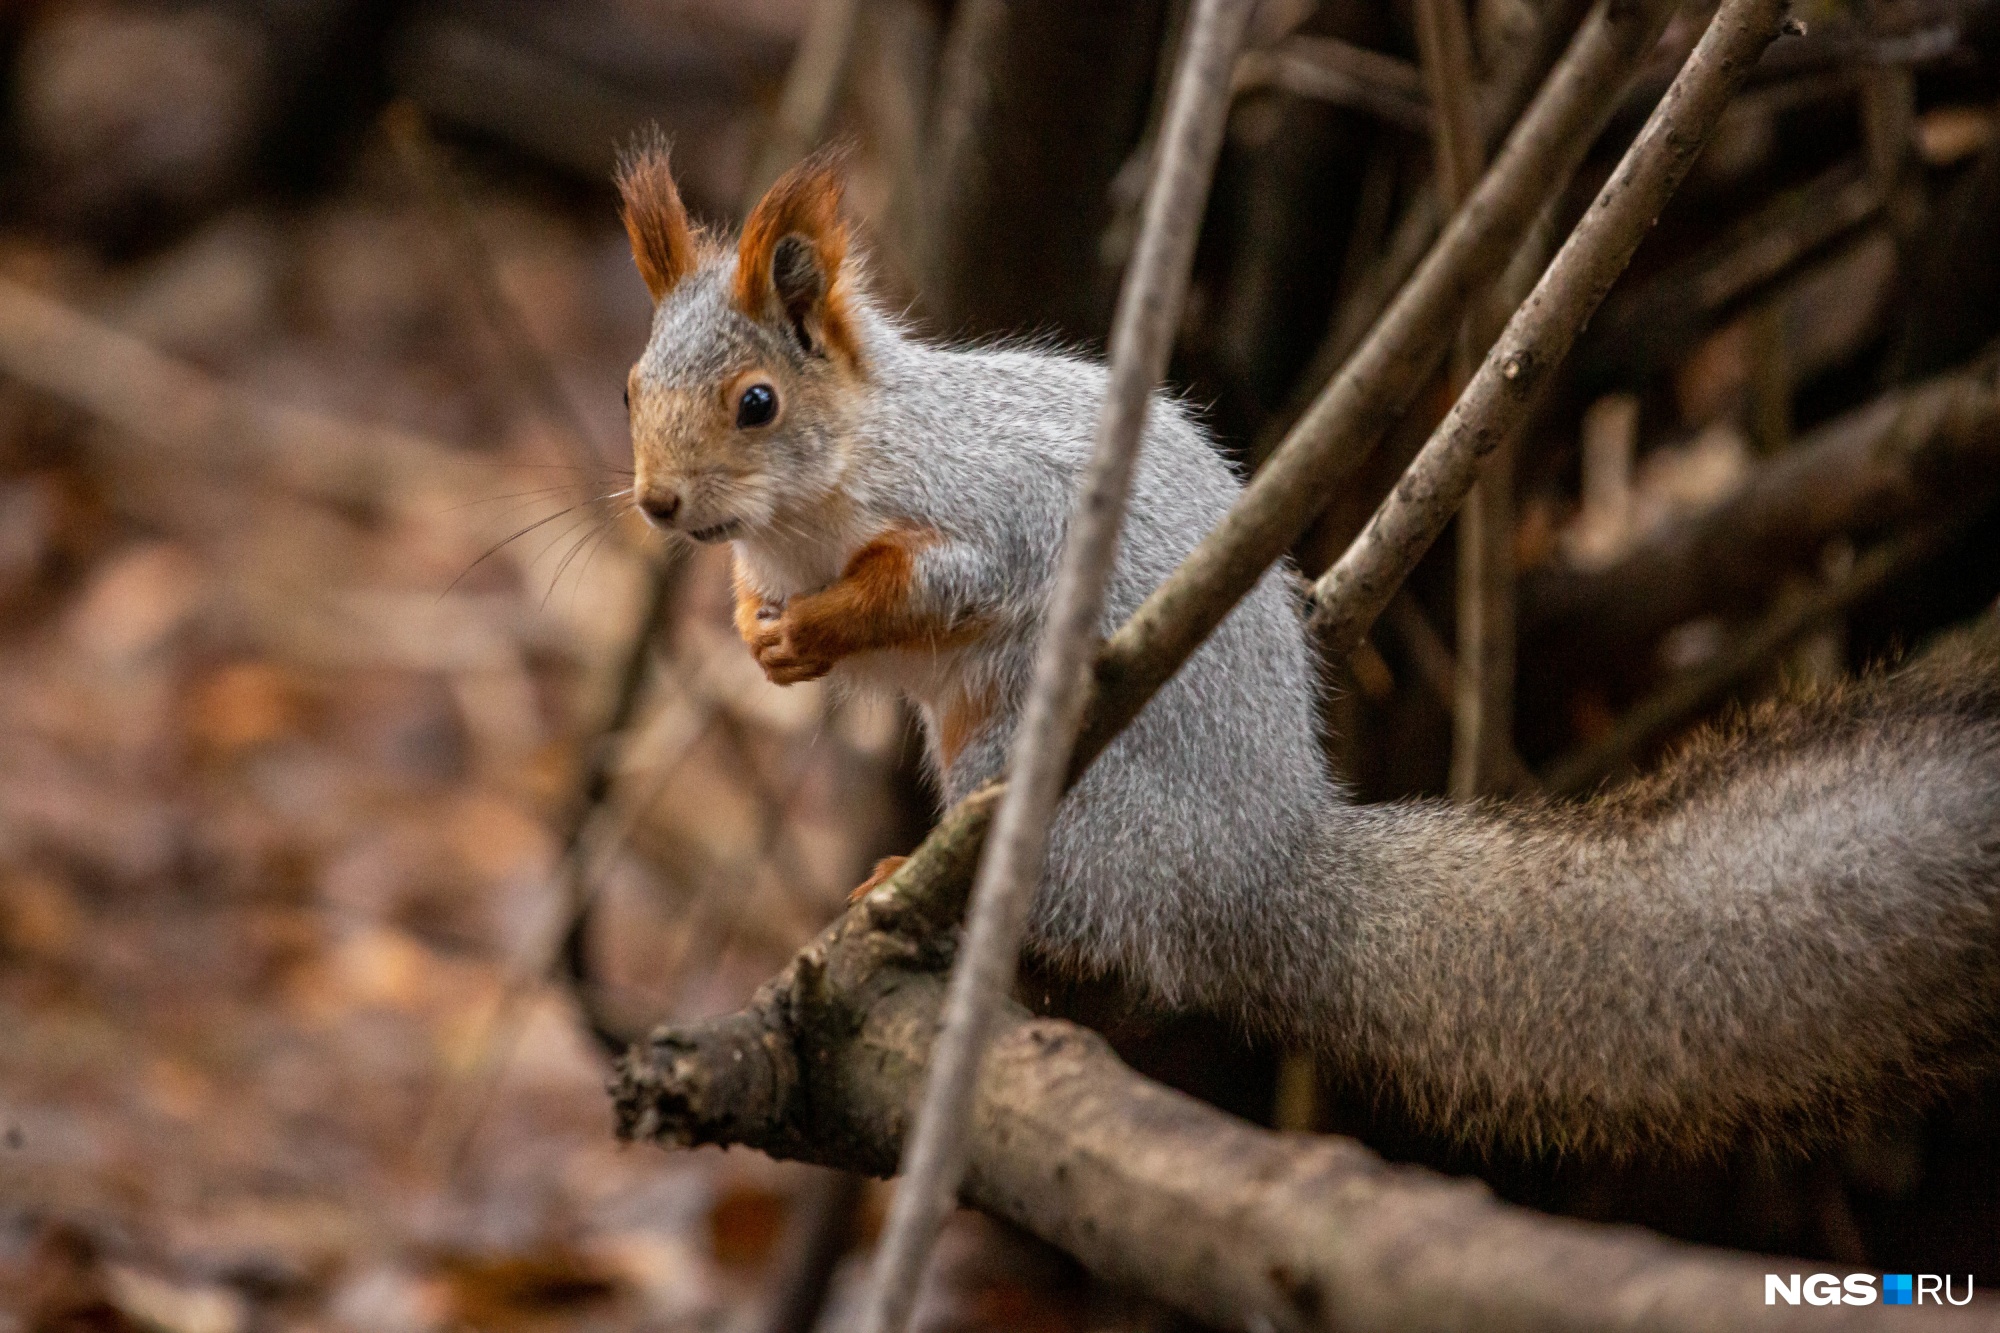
{"x":736,"y":399}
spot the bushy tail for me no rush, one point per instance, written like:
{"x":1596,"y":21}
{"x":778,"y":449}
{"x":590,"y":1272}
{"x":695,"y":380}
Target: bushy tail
{"x":1790,"y":930}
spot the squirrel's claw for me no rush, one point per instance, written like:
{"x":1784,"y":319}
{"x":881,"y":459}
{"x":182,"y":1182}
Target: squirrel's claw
{"x":783,"y":664}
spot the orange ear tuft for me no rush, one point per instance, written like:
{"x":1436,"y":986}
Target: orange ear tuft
{"x":655,"y":219}
{"x":789,"y":260}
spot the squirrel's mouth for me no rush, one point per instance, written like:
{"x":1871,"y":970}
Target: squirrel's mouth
{"x":720,"y":532}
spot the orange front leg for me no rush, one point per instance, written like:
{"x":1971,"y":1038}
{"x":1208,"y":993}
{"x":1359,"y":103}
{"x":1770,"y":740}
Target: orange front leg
{"x":868,"y":607}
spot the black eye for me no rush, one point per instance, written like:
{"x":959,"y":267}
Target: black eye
{"x":757,"y":406}
{"x":628,"y":400}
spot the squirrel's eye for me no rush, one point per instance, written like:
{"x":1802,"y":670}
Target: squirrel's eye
{"x":757,"y":405}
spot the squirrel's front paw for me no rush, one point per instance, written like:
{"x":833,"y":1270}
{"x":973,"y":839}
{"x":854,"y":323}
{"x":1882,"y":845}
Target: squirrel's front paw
{"x":774,"y":645}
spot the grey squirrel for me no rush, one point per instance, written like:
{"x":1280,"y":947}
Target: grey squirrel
{"x":1786,"y":934}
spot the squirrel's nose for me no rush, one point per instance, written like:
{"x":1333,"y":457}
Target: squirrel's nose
{"x":662,"y":507}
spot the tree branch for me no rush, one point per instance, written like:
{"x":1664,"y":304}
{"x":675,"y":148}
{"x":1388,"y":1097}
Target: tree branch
{"x":1351,"y":594}
{"x":1141,"y":338}
{"x":1387,"y":369}
{"x":1674,"y":308}
{"x":1908,"y":455}
{"x":1243,"y":1227}
{"x":1330,"y":70}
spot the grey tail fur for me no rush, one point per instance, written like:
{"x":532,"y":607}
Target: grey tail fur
{"x":1790,"y":931}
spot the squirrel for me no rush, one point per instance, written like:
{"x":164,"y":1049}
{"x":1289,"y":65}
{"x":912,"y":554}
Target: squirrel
{"x":1788,"y":935}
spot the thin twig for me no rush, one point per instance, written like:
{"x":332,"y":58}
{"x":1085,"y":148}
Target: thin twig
{"x":1438,"y":670}
{"x":1683,"y":699}
{"x":1483,"y":693}
{"x":1351,"y":594}
{"x":1387,"y":369}
{"x":1327,"y":69}
{"x":1445,"y":48}
{"x":1894,"y":461}
{"x":1142,"y":333}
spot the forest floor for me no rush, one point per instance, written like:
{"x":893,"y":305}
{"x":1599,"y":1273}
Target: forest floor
{"x":281,"y":784}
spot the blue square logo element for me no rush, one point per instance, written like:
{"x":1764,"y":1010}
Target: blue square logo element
{"x":1896,"y":1289}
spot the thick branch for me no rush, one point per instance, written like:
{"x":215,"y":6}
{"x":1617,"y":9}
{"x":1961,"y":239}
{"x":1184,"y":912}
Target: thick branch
{"x":1246,"y":1228}
{"x":1354,"y":591}
{"x":1908,"y":455}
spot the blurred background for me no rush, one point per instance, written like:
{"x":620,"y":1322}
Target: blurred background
{"x":366,"y":768}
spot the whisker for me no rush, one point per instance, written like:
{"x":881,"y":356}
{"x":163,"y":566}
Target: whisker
{"x":494,"y":549}
{"x":512,"y":495}
{"x":555,"y":580}
{"x":510,"y":464}
{"x":601,"y":540}
{"x":560,"y":538}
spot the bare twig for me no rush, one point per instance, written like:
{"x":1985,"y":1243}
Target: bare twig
{"x":1141,"y":339}
{"x":1330,"y":70}
{"x":1351,"y":594}
{"x":1438,"y":670}
{"x":1766,"y":247}
{"x":1681,"y":700}
{"x":1445,"y":46}
{"x":1382,"y":375}
{"x":1897,"y":460}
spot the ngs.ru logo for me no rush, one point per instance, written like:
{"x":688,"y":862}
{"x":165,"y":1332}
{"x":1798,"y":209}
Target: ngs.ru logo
{"x":1859,"y":1289}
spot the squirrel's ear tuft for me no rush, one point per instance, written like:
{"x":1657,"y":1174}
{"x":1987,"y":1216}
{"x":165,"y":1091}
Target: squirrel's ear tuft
{"x":789,"y":263}
{"x":663,"y":243}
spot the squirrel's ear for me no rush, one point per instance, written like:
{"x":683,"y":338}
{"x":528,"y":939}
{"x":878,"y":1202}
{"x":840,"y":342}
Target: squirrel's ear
{"x":789,"y":261}
{"x":655,"y":219}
